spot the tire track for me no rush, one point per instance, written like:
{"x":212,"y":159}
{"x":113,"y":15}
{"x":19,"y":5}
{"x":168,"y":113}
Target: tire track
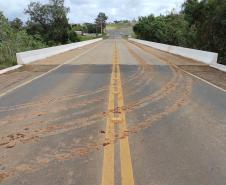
{"x":73,"y":151}
{"x":164,"y":91}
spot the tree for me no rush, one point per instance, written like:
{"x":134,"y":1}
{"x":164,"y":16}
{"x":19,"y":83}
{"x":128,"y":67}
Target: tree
{"x":170,"y":29}
{"x":90,"y":28}
{"x":207,"y":19}
{"x":50,"y":21}
{"x":12,"y":41}
{"x":101,"y":21}
{"x":86,"y":28}
{"x":73,"y":37}
{"x":201,"y":24}
{"x":16,"y":24}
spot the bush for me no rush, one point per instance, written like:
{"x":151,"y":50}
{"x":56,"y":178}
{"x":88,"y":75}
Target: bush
{"x":12,"y":41}
{"x":199,"y":25}
{"x":73,"y":37}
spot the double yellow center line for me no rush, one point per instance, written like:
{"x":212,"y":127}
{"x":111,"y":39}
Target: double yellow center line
{"x":116,"y":115}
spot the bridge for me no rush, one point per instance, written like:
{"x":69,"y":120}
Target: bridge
{"x":113,"y":112}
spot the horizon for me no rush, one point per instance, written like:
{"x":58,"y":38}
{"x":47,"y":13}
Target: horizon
{"x":115,"y":10}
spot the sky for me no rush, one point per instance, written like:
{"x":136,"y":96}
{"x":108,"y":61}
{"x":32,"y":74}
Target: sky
{"x":86,"y":10}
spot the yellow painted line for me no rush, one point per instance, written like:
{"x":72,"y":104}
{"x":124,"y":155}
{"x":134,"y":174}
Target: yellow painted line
{"x":125,"y":156}
{"x":108,"y":163}
{"x":116,"y":95}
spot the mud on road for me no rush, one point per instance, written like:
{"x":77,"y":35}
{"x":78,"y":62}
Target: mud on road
{"x":55,"y":131}
{"x":30,"y":71}
{"x":199,"y":69}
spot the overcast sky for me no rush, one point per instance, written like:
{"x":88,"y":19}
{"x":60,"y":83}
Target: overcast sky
{"x":86,"y":10}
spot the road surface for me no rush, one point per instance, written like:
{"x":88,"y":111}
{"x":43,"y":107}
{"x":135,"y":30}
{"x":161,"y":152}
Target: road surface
{"x":115,"y":115}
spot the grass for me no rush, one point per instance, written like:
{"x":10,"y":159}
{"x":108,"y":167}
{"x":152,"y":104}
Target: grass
{"x":7,"y":56}
{"x":86,"y":37}
{"x":126,"y":28}
{"x":114,"y":26}
{"x":3,"y":66}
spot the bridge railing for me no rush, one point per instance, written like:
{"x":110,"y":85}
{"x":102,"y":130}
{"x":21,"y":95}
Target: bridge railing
{"x":34,"y":55}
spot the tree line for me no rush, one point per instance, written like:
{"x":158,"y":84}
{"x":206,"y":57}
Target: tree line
{"x":47,"y":25}
{"x":200,"y":24}
{"x":95,"y":28}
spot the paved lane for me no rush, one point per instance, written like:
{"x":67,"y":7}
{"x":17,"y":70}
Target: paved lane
{"x":51,"y":127}
{"x":116,"y":115}
{"x":177,"y":125}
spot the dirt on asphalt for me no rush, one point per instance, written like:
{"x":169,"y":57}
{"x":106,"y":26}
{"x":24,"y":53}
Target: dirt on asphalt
{"x":199,"y":69}
{"x":30,"y":71}
{"x":208,"y":73}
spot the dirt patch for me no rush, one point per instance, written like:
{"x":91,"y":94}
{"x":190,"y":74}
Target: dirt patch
{"x":3,"y":176}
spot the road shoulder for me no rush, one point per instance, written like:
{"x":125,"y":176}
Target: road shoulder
{"x":28,"y":72}
{"x":202,"y":71}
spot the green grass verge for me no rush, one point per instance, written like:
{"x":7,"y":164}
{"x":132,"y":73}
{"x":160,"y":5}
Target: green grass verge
{"x":86,"y":37}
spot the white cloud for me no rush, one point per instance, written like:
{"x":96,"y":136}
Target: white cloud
{"x":87,"y":10}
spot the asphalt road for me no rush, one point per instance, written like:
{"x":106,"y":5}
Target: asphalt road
{"x":115,"y":115}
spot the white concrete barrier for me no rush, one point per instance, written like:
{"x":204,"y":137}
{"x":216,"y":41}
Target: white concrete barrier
{"x":6,"y":70}
{"x":206,"y":57}
{"x":34,"y":55}
{"x":219,"y":67}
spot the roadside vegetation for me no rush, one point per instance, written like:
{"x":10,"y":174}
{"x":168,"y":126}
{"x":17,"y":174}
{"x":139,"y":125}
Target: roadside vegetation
{"x":125,"y":27}
{"x":120,"y":24}
{"x":47,"y":26}
{"x":201,"y":24}
{"x":87,"y":37}
{"x":13,"y":39}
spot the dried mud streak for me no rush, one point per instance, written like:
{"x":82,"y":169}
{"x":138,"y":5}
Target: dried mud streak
{"x":60,"y":58}
{"x":108,"y":173}
{"x":42,"y":162}
{"x":46,"y":111}
{"x":39,"y":132}
{"x":183,"y":100}
{"x":199,"y":69}
{"x":208,"y":73}
{"x":154,"y":97}
{"x":11,"y":78}
{"x":135,"y":76}
{"x":48,"y":100}
{"x":142,"y":81}
{"x":32,"y":134}
{"x":28,"y":168}
{"x":170,"y":87}
{"x":127,"y":177}
{"x":163,"y":92}
{"x":28,"y":134}
{"x":31,"y":71}
{"x":167,"y":57}
{"x":148,"y":71}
